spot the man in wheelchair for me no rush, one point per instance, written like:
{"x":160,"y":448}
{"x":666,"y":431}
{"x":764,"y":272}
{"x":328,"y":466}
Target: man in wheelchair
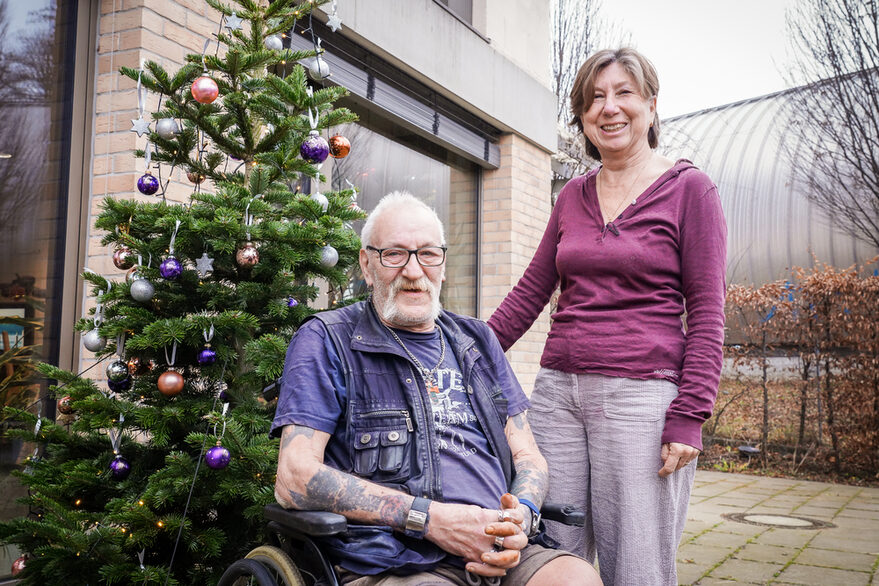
{"x":408,"y":420}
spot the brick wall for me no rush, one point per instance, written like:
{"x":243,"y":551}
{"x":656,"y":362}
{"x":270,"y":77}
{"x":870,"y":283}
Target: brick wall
{"x":131,"y":32}
{"x":515,"y":210}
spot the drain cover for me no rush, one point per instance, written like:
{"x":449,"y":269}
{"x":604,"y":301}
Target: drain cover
{"x":779,"y":521}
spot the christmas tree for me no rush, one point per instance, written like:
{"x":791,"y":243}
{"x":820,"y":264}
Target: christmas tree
{"x":160,"y":476}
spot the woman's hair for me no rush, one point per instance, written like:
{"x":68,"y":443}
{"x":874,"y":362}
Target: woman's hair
{"x":582,"y":93}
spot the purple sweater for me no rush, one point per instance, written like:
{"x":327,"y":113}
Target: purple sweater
{"x":623,"y":291}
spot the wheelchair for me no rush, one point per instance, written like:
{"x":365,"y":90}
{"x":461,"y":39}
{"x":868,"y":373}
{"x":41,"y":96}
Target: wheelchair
{"x":294,"y":558}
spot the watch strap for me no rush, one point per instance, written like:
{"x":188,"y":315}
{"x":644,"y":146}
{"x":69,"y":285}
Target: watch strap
{"x":534,"y":527}
{"x":417,"y":519}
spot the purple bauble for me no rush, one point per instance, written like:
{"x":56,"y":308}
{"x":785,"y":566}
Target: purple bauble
{"x":119,"y":386}
{"x":170,"y":268}
{"x":217,"y":457}
{"x":147,"y":184}
{"x":120,"y":468}
{"x":291,"y":302}
{"x":207,"y":356}
{"x":314,"y":148}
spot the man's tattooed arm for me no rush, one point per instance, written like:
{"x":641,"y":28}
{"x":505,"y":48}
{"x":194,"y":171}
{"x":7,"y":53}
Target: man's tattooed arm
{"x":304,"y":482}
{"x":532,"y":480}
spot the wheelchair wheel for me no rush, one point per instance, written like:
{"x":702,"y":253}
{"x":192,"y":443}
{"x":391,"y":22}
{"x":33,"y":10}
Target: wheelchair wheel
{"x":246,"y":573}
{"x":279,"y":565}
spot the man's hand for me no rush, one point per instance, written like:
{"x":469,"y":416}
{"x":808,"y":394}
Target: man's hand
{"x":469,"y":531}
{"x":675,"y":456}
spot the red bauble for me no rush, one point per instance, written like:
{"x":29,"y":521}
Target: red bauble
{"x":205,"y":90}
{"x":123,"y":258}
{"x":170,"y":383}
{"x":339,"y":146}
{"x":64,"y":405}
{"x":18,"y":565}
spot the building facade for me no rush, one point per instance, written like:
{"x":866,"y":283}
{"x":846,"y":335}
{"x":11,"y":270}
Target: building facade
{"x":453,"y":106}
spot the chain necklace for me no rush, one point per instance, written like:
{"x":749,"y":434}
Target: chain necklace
{"x":429,"y":376}
{"x":628,"y":197}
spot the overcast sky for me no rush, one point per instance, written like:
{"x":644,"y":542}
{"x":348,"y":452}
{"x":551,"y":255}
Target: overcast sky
{"x":707,"y":52}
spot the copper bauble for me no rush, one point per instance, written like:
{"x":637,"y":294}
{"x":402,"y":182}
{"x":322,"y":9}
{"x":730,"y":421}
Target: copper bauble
{"x":170,"y":383}
{"x":64,"y":405}
{"x":247,"y":255}
{"x":204,"y":90}
{"x":339,"y":146}
{"x":18,"y":565}
{"x":195,"y":177}
{"x":137,"y":367}
{"x":123,"y":258}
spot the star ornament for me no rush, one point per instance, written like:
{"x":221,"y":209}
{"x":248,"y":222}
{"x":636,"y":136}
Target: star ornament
{"x":233,"y":22}
{"x":204,"y":265}
{"x":140,"y":126}
{"x":334,"y":22}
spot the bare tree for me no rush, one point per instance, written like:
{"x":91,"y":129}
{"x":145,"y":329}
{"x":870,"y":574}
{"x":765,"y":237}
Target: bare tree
{"x":578,"y":30}
{"x":836,"y":112}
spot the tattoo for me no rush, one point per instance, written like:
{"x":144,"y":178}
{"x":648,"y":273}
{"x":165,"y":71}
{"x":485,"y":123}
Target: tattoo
{"x":291,"y":431}
{"x":357,"y":499}
{"x":519,"y":420}
{"x":531,"y":482}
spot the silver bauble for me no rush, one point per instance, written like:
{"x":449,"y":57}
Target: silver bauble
{"x":142,"y":290}
{"x":93,"y":341}
{"x":167,"y":128}
{"x":274,"y":42}
{"x":117,"y":371}
{"x":318,"y":69}
{"x":322,"y":200}
{"x":329,"y":256}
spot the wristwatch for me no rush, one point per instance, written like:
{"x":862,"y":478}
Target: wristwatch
{"x":416,"y":521}
{"x":533,"y":527}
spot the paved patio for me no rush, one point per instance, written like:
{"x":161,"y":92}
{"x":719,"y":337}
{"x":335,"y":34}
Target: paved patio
{"x":719,"y":550}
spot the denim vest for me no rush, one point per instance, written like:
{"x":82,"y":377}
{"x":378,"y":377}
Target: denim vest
{"x":387,"y":435}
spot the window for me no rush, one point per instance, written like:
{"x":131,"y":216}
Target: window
{"x":463,"y":9}
{"x":37,"y":54}
{"x":379,"y":164}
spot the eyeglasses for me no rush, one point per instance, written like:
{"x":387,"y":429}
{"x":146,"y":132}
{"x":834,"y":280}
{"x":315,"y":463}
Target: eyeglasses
{"x":394,"y":258}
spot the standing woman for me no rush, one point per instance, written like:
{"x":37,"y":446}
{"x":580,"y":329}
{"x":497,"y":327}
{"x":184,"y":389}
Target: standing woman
{"x":636,"y":246}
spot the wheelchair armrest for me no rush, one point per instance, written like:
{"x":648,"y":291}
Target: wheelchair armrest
{"x":565,"y":514}
{"x":313,"y":523}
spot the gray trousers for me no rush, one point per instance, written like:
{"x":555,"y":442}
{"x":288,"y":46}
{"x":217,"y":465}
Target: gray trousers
{"x":601,"y":437}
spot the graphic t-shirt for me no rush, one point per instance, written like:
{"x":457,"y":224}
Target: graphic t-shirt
{"x":463,"y":446}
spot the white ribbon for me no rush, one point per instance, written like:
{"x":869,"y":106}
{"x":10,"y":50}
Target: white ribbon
{"x":173,"y":238}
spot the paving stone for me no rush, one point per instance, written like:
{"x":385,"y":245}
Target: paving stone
{"x":746,"y":571}
{"x":705,"y":556}
{"x":709,"y":581}
{"x":843,"y":542}
{"x":799,"y":574}
{"x":720,"y":539}
{"x":787,"y":537}
{"x":843,"y":560}
{"x":690,"y":573}
{"x":766,"y":553}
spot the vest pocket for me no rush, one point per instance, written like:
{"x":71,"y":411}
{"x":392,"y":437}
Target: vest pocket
{"x":366,"y":452}
{"x":383,"y":443}
{"x":393,"y":450}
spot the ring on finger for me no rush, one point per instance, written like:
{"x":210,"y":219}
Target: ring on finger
{"x":500,"y":516}
{"x":499,"y":542}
